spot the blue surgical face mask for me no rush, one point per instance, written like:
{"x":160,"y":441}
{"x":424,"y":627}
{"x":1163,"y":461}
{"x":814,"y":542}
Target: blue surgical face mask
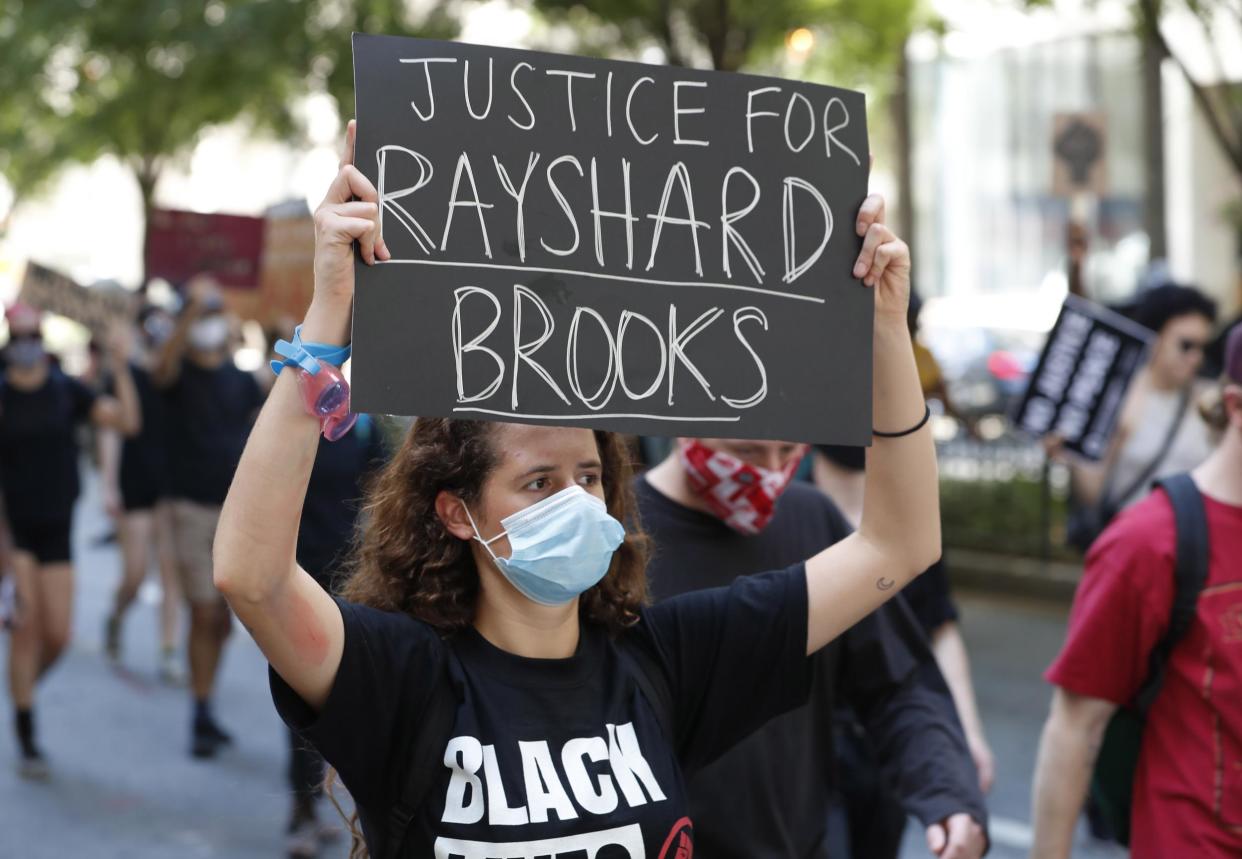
{"x":560,"y":546}
{"x":25,"y":352}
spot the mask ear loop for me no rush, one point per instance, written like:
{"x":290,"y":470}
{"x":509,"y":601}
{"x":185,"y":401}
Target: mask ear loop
{"x":487,"y":544}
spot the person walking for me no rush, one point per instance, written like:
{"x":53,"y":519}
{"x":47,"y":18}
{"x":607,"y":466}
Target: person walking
{"x":1159,"y":431}
{"x":210,"y":405}
{"x":1187,"y":786}
{"x":718,"y":509}
{"x":135,"y":477}
{"x":490,"y":682}
{"x":40,"y":410}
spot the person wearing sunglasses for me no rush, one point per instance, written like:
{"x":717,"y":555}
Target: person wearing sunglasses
{"x":1159,"y":432}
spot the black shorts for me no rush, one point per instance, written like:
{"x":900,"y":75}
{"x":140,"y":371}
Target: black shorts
{"x":142,"y":484}
{"x":48,"y":541}
{"x":139,"y":495}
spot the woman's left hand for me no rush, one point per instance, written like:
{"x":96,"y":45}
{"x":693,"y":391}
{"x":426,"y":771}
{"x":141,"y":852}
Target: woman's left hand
{"x":884,"y":262}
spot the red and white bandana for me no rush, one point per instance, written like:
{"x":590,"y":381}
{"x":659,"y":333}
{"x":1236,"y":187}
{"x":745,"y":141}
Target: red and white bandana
{"x":742,"y":495}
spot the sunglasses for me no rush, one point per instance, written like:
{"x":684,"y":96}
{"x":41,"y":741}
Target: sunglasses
{"x":1187,"y":346}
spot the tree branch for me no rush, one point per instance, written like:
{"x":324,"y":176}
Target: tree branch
{"x":1219,"y":94}
{"x":664,"y":22}
{"x":1231,"y":149}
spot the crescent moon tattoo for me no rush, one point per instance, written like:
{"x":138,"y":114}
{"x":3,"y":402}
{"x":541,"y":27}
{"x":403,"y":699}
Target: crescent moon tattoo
{"x":885,"y":584}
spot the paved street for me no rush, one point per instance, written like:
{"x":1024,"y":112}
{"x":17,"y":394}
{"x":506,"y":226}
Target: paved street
{"x":124,"y":785}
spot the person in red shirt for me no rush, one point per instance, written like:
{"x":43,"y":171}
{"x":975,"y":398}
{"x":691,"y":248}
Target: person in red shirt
{"x":1188,"y":783}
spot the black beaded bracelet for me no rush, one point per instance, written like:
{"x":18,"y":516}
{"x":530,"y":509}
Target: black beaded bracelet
{"x":911,"y":431}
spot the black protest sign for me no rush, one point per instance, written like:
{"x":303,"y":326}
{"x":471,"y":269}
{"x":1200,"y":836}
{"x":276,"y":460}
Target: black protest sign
{"x":1078,"y":386}
{"x":97,"y":309}
{"x":609,"y":244}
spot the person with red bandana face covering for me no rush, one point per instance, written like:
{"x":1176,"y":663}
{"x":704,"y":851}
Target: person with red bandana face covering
{"x":741,"y":494}
{"x":717,"y":509}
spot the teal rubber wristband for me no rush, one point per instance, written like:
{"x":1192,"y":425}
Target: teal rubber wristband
{"x":307,"y":356}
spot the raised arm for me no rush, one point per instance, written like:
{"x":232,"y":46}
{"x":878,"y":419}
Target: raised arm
{"x":295,"y":623}
{"x":121,"y":413}
{"x":899,"y":535}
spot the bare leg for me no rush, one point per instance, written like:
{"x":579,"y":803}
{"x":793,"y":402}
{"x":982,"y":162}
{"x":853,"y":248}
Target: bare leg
{"x":166,"y":557}
{"x":135,"y":531}
{"x":26,"y":641}
{"x":56,"y":583}
{"x":210,"y":624}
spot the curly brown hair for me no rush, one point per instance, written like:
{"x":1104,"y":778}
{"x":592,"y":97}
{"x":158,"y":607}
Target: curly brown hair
{"x":407,"y":561}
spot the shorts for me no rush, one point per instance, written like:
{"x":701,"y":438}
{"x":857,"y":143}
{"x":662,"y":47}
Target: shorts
{"x":142,"y":486}
{"x":194,"y":529}
{"x":48,"y":541}
{"x":139,"y":498}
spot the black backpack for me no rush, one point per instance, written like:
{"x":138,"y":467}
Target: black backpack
{"x":1112,"y":779}
{"x":437,"y":725}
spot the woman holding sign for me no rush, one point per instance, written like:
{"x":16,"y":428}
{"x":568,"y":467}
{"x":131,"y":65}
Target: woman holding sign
{"x":491,"y":682}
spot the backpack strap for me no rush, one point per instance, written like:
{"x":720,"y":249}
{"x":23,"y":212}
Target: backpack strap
{"x":1190,"y":574}
{"x":425,"y":763}
{"x":652,"y":682}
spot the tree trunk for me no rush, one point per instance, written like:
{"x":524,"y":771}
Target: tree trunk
{"x":902,"y":138}
{"x":1153,"y":135}
{"x":147,"y":173}
{"x":1217,"y":124}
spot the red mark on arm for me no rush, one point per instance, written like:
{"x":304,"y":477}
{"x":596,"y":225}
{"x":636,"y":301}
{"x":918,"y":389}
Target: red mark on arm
{"x":306,"y":630}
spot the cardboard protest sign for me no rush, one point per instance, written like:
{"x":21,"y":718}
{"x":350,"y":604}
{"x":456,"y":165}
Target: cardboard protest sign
{"x":1081,"y":379}
{"x":181,"y":245}
{"x":609,"y":244}
{"x":287,"y":276}
{"x":54,"y":292}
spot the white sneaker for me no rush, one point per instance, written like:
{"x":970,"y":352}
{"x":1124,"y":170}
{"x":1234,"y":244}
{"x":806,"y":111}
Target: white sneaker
{"x":34,"y":768}
{"x":172,"y":671}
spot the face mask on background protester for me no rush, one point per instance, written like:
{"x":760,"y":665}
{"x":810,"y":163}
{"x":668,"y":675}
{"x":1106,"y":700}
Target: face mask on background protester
{"x":560,"y":546}
{"x":742,"y":495}
{"x":25,"y":352}
{"x":158,"y":329}
{"x":210,"y":334}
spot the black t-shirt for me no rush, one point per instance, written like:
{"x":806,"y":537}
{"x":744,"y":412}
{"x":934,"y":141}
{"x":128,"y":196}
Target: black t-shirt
{"x":38,"y":450}
{"x":209,"y":413}
{"x":558,"y":757}
{"x":334,"y":495}
{"x":930,"y":599}
{"x":771,"y":794}
{"x":144,"y":458}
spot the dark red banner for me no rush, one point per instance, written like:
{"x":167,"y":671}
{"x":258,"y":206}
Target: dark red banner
{"x":183,"y":244}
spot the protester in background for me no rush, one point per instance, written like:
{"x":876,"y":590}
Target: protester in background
{"x":325,"y":533}
{"x":40,"y":409}
{"x":931,"y":377}
{"x":135,"y":481}
{"x":718,"y":509}
{"x":1159,"y":431}
{"x":210,"y":405}
{"x":1187,"y":789}
{"x":875,"y":816}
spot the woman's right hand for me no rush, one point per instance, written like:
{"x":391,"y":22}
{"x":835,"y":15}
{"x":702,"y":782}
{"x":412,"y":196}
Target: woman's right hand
{"x":349,"y":213}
